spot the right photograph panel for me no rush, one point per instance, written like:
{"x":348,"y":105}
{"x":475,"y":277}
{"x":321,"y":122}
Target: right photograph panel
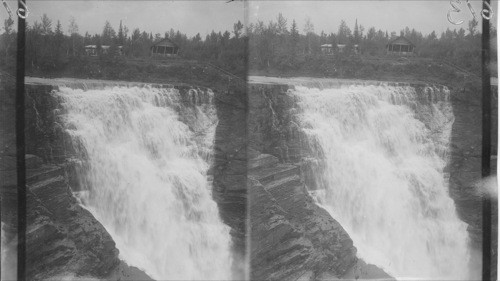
{"x":365,"y":141}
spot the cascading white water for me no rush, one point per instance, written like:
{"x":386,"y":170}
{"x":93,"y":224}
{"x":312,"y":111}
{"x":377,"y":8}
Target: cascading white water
{"x":9,"y":256}
{"x":147,"y":152}
{"x":384,"y":150}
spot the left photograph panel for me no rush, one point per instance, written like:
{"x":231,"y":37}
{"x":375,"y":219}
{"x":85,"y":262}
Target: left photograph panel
{"x":135,"y":144}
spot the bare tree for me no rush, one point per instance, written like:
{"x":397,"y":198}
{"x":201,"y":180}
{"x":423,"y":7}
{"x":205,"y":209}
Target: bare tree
{"x":73,"y":27}
{"x":308,"y":27}
{"x":7,"y":26}
{"x":472,"y":27}
{"x":237,"y":29}
{"x":73,"y":32}
{"x":282,"y":25}
{"x":309,"y":31}
{"x":46,"y":25}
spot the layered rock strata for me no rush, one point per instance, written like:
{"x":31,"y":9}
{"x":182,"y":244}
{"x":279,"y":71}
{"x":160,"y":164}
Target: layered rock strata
{"x":62,"y":239}
{"x":229,"y":170}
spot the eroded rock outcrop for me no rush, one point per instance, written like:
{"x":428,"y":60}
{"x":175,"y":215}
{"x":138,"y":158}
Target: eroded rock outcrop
{"x":229,"y":170}
{"x":292,"y":238}
{"x":62,"y":238}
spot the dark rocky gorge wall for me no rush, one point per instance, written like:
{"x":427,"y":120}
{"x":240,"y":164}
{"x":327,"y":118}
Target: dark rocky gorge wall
{"x":63,"y":238}
{"x":465,"y":164}
{"x":293,"y":238}
{"x":230,"y":171}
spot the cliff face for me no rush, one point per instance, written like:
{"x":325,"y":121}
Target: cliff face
{"x":292,"y":238}
{"x":229,"y":170}
{"x":465,"y":162}
{"x":62,"y":237}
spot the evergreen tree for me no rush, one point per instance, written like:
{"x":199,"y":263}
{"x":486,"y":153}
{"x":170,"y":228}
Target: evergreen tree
{"x":295,"y":37}
{"x":344,"y":33}
{"x":121,"y":35}
{"x":58,"y":44}
{"x":432,"y":36}
{"x":356,"y":34}
{"x":108,"y":34}
{"x":58,"y":31}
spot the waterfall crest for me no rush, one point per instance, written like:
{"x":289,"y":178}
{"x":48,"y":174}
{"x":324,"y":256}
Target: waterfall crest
{"x":146,"y":155}
{"x":383,"y":151}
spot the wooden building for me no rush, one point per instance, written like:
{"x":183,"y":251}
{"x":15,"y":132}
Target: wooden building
{"x":165,"y":48}
{"x":328,"y":49}
{"x":94,"y":51}
{"x":400,"y":46}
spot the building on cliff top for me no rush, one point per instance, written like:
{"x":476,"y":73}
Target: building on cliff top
{"x":165,"y":48}
{"x":94,"y":50}
{"x":328,"y":49}
{"x":400,"y":46}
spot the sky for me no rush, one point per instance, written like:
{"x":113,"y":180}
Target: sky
{"x":190,"y":17}
{"x":202,"y":17}
{"x":424,"y":16}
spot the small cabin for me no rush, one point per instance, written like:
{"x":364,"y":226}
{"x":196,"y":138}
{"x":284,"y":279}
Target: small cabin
{"x":165,"y":48}
{"x":400,"y":46}
{"x":93,"y":51}
{"x":329,"y":50}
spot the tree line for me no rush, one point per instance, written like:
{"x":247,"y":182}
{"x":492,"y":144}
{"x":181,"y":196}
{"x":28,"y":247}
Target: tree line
{"x":281,"y":45}
{"x":50,"y":48}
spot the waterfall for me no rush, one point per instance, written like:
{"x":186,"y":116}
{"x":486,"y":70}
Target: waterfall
{"x":385,"y":149}
{"x":9,"y":255}
{"x":146,"y":155}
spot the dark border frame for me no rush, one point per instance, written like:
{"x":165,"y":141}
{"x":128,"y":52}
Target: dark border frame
{"x":20,"y":143}
{"x":486,"y":144}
